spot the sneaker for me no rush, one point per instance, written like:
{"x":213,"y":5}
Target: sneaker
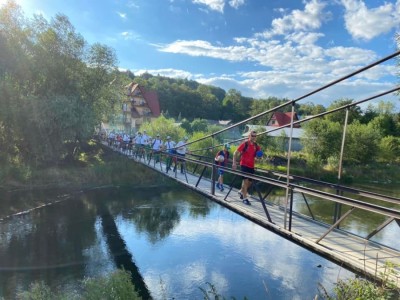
{"x":218,"y":186}
{"x":246,"y":201}
{"x":240,"y":195}
{"x":221,"y":187}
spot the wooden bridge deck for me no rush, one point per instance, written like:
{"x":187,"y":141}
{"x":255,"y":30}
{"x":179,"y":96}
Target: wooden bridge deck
{"x":350,"y":251}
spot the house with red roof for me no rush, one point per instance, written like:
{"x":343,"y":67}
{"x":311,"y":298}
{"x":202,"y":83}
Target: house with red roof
{"x":138,"y":107}
{"x":279,"y":119}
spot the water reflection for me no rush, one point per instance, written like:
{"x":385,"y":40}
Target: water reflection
{"x":173,"y":242}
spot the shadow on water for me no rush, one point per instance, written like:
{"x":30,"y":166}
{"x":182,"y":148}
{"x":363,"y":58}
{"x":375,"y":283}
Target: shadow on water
{"x":122,"y":257}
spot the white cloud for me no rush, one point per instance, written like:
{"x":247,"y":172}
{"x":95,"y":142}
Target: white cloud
{"x":129,"y":35}
{"x":294,"y":64}
{"x":236,"y":3}
{"x":217,"y":5}
{"x":308,"y":19}
{"x":204,"y":48}
{"x":132,"y":4}
{"x":167,"y":73}
{"x":121,"y":15}
{"x":366,"y":24}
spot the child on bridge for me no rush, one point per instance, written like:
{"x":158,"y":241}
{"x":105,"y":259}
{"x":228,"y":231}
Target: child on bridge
{"x":220,"y":159}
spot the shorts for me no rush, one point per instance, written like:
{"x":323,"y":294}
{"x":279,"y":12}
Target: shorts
{"x":247,"y":170}
{"x":179,"y":157}
{"x":220,"y":172}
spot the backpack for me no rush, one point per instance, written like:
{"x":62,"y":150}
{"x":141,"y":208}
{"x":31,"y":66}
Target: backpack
{"x":246,"y":145}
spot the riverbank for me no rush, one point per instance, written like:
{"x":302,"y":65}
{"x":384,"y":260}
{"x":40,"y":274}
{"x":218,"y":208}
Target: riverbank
{"x":96,"y":166}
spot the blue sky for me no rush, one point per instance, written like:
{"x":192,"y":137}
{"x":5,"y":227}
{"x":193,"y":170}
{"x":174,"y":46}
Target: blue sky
{"x":281,"y":48}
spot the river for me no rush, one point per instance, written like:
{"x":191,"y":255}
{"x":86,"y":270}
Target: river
{"x":173,"y":240}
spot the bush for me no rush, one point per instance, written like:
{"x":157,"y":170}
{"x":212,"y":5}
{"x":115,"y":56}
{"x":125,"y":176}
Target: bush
{"x":115,"y":286}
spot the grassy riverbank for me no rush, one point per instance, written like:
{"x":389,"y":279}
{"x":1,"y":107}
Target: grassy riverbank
{"x":96,"y":166}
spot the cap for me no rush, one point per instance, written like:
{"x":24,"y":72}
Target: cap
{"x":168,"y":137}
{"x":158,"y":134}
{"x":227,"y":147}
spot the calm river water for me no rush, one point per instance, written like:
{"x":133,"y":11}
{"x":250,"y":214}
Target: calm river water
{"x":174,"y":242}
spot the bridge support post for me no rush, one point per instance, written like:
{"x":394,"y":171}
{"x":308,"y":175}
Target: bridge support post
{"x":338,"y":206}
{"x":213,"y":172}
{"x":291,"y":210}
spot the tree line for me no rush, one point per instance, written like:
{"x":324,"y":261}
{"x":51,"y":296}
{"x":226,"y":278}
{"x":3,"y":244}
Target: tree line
{"x":55,"y":89}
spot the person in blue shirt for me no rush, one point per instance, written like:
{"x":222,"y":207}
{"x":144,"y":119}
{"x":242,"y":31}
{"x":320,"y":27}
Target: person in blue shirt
{"x":225,"y":154}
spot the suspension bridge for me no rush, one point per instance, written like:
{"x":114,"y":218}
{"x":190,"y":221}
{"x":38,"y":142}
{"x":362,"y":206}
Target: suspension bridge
{"x":328,"y":238}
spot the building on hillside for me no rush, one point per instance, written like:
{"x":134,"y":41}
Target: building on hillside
{"x":138,"y":107}
{"x":279,"y":119}
{"x":141,"y":106}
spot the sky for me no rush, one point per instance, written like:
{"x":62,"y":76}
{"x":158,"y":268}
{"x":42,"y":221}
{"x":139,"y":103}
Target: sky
{"x":262,"y":48}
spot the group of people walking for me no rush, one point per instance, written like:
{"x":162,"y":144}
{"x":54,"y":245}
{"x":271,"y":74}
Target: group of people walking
{"x":143,"y":145}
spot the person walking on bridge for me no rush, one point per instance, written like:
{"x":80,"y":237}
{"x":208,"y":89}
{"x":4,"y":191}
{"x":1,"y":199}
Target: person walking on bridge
{"x":221,"y":162}
{"x":156,"y":148}
{"x":181,"y":150}
{"x":248,"y":151}
{"x":169,"y":148}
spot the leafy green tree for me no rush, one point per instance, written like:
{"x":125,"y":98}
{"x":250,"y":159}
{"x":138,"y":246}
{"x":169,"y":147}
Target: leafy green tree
{"x":260,"y":106}
{"x":322,"y":138}
{"x":310,"y":109}
{"x":56,"y":89}
{"x":235,"y":107}
{"x":185,"y":124}
{"x":362,"y":143}
{"x":200,"y":125}
{"x":164,"y":127}
{"x":369,"y":114}
{"x":385,"y":124}
{"x":203,"y":147}
{"x":389,"y":149}
{"x":339,"y":116}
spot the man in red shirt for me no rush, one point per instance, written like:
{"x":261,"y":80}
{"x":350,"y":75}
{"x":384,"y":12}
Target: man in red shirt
{"x":248,"y":150}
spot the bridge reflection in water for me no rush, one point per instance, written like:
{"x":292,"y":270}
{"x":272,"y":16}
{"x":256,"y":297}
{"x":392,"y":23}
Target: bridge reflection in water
{"x":359,"y":253}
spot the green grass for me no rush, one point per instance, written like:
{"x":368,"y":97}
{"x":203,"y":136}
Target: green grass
{"x":115,"y":286}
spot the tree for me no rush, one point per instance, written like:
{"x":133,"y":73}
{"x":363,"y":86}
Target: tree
{"x":310,"y":109}
{"x":389,"y":149}
{"x":164,"y":127}
{"x":322,"y":138}
{"x":199,"y":125}
{"x":59,"y":86}
{"x":385,"y":125}
{"x":339,"y":116}
{"x":362,"y":142}
{"x":235,"y":107}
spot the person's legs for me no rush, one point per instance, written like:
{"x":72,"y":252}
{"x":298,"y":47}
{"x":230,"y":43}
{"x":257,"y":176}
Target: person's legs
{"x":246,"y":183}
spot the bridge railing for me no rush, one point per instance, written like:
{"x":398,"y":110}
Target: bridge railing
{"x":339,"y":195}
{"x":298,"y":185}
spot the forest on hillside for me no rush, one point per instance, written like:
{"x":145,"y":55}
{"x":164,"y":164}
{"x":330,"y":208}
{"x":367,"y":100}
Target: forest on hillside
{"x":56,"y":89}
